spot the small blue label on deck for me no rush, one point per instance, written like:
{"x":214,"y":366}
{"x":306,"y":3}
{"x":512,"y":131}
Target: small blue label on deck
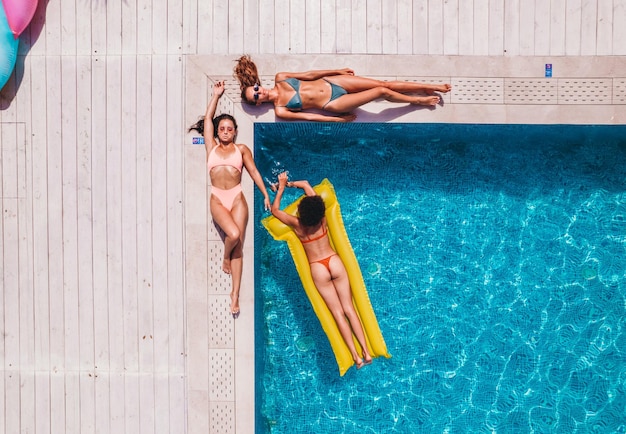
{"x":548,"y":70}
{"x":197,"y":141}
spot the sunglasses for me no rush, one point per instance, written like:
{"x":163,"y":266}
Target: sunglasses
{"x":256,"y":92}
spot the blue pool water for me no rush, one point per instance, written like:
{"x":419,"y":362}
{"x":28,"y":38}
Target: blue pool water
{"x":495,"y":260}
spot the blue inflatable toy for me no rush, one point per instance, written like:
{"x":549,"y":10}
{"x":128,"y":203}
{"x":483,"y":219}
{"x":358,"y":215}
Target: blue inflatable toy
{"x":8,"y":49}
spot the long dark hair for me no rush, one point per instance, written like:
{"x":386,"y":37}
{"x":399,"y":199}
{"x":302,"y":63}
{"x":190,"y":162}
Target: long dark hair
{"x":199,"y":126}
{"x":247,"y":75}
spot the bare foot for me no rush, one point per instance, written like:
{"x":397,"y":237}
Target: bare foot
{"x":427,"y":100}
{"x":226,"y":266}
{"x":441,"y":88}
{"x":234,"y":305}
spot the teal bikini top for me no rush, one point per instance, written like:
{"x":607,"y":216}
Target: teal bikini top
{"x":295,"y":103}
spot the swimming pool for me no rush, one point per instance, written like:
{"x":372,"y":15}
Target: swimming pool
{"x":495,"y":260}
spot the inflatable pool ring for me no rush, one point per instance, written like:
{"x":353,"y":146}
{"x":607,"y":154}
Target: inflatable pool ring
{"x":19,"y":13}
{"x":8,"y":49}
{"x":340,"y":242}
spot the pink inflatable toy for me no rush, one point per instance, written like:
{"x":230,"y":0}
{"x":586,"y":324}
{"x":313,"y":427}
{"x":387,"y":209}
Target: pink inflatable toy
{"x":8,"y":49}
{"x":19,"y":13}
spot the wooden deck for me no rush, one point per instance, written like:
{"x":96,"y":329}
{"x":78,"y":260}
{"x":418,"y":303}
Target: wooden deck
{"x":113,"y":312}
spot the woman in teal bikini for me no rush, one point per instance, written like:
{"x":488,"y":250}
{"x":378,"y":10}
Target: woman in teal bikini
{"x":225,"y":162}
{"x":327,"y":269}
{"x":336,"y":91}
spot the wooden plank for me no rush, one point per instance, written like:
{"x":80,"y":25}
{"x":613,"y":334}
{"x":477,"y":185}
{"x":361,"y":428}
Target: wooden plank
{"x":619,"y":28}
{"x":114,"y":240}
{"x":68,"y":27}
{"x":466,"y":24}
{"x":9,"y":172}
{"x":161,"y":403}
{"x":527,"y":28}
{"x":54,"y":183}
{"x":542,"y":28}
{"x":113,"y":23}
{"x":99,"y":241}
{"x":390,"y":28}
{"x":117,"y":421}
{"x":190,"y":25}
{"x":144,"y":239}
{"x":235,"y":37}
{"x":558,"y":13}
{"x":42,"y":404}
{"x":573,"y":27}
{"x":87,"y":402}
{"x":40,"y":248}
{"x":28,"y":401}
{"x":374,"y":22}
{"x":9,"y":281}
{"x":496,"y":28}
{"x":72,"y":402}
{"x":343,"y":12}
{"x":85,"y":251}
{"x":175,"y":242}
{"x":98,"y":28}
{"x":481,"y":28}
{"x":511,"y":27}
{"x":53,"y":29}
{"x":405,"y":27}
{"x":57,"y":401}
{"x":10,"y":401}
{"x":25,"y":253}
{"x":328,"y":40}
{"x":129,"y":28}
{"x":281,"y":27}
{"x":297,"y":22}
{"x":144,"y":27}
{"x":266,"y":26}
{"x":220,"y":18}
{"x":420,"y":26}
{"x":435,"y":27}
{"x":83,"y":27}
{"x":205,"y":27}
{"x":178,"y":400}
{"x":160,"y":280}
{"x":589,"y":25}
{"x":312,"y":26}
{"x":604,"y":40}
{"x":70,"y":243}
{"x":359,"y":26}
{"x":251,"y":26}
{"x":130,"y":134}
{"x":196,"y":274}
{"x":159,"y":27}
{"x":453,"y":25}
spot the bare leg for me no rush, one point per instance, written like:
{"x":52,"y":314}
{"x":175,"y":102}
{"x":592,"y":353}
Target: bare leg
{"x":240,"y":214}
{"x":349,"y":102}
{"x":327,"y":286}
{"x":352,"y":84}
{"x":233,"y":224}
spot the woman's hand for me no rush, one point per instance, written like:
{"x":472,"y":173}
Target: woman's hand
{"x":218,"y":88}
{"x":346,"y":71}
{"x":282,"y":179}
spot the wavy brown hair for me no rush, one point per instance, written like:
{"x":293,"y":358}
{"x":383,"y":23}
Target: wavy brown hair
{"x":247,"y":74}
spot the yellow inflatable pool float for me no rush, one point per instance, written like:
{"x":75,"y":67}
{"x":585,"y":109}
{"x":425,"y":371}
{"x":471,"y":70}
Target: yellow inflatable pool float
{"x":341,"y":244}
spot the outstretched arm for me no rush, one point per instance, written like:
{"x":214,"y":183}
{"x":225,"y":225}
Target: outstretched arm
{"x":304,"y":185}
{"x":287,"y":114}
{"x":281,"y":215}
{"x":209,"y":140}
{"x":314,"y":74}
{"x":248,"y":162}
